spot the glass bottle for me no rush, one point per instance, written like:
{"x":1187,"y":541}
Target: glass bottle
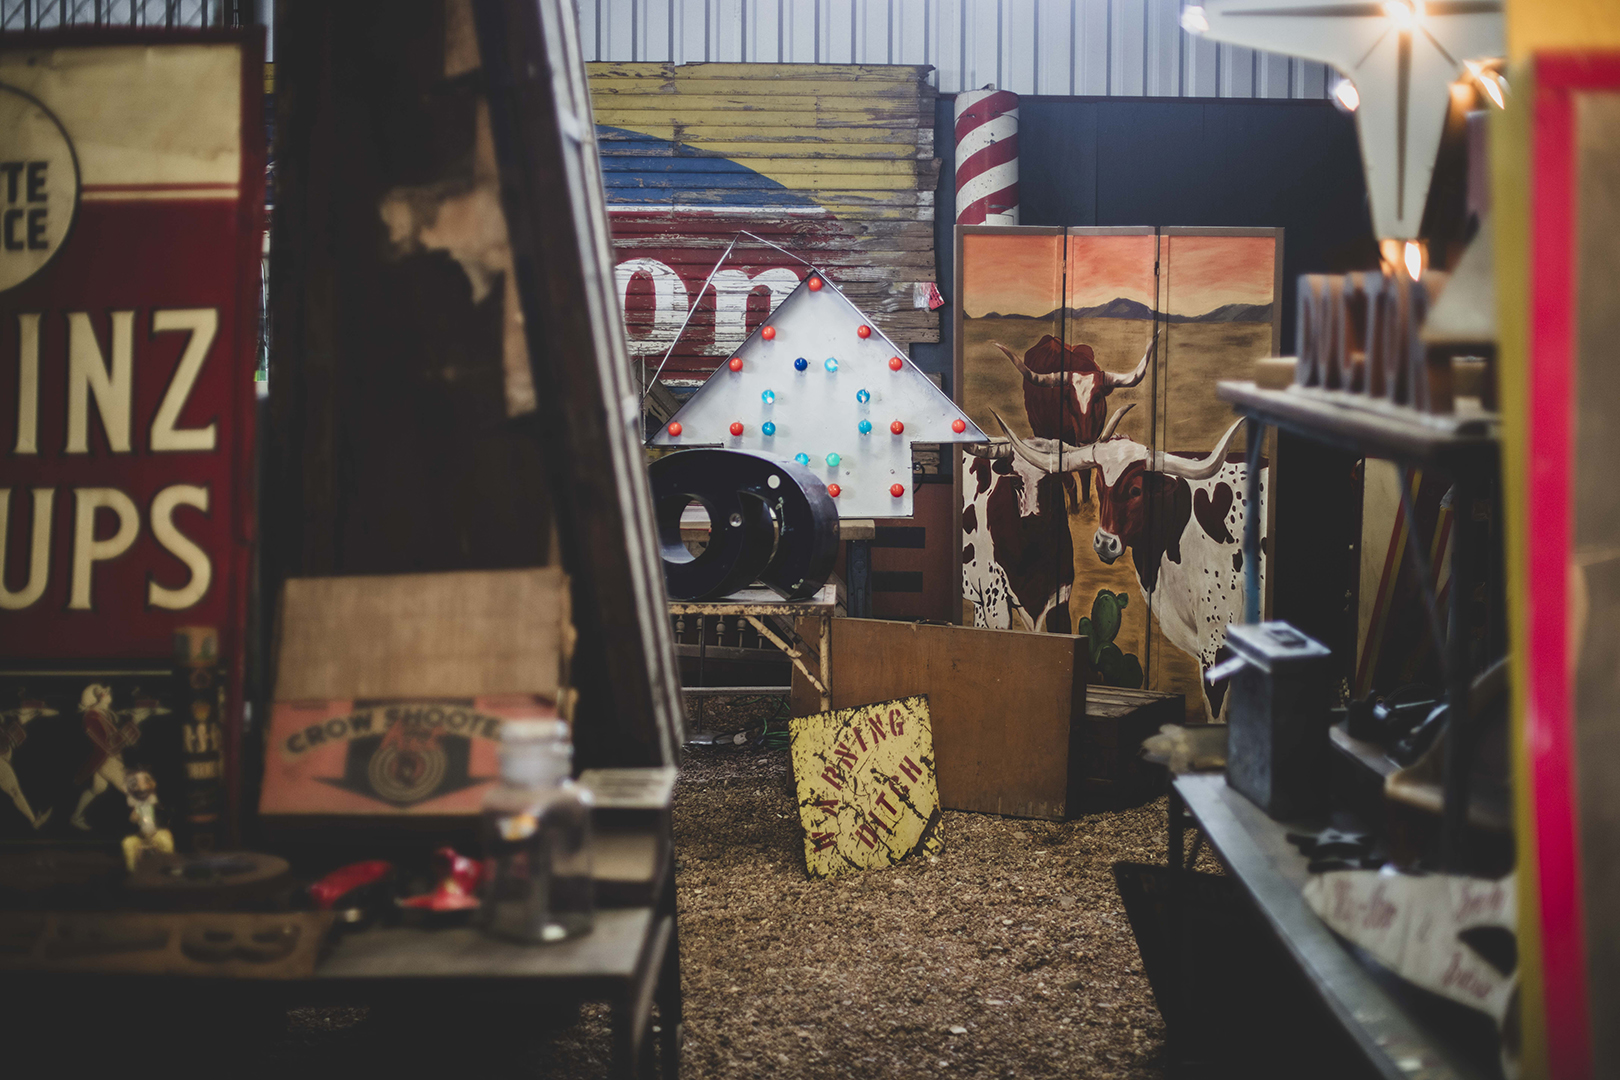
{"x":537,"y":837}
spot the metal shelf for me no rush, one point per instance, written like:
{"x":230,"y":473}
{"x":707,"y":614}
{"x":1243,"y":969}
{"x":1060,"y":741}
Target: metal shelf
{"x":1369,"y":426}
{"x":1398,"y":1041}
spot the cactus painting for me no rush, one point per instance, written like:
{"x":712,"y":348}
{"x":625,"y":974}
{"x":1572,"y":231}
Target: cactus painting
{"x":1109,"y":665}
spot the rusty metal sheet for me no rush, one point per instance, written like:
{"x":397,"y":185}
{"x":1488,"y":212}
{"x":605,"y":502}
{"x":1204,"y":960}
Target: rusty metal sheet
{"x":833,"y":162}
{"x":866,"y":786}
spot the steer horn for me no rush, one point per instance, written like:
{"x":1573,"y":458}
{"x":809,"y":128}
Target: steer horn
{"x":1190,"y":469}
{"x":995,"y":449}
{"x":1125,"y":382}
{"x":1050,"y":456}
{"x":1112,"y":380}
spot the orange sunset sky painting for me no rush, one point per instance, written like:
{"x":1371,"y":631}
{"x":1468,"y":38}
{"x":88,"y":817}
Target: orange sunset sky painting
{"x":1023,"y":275}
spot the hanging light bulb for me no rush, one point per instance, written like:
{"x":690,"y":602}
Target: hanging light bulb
{"x":1413,"y":257}
{"x":1495,"y":88}
{"x":1193,"y":20}
{"x":1345,"y":96}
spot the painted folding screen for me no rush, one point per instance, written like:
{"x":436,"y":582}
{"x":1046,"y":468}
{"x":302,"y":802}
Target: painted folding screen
{"x":1071,"y":335}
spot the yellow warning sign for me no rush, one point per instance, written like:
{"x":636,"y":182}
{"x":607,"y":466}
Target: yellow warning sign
{"x":867,"y":793}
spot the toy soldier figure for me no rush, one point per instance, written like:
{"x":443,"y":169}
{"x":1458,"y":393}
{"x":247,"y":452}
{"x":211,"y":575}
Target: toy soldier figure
{"x":12,"y":735}
{"x":111,"y":731}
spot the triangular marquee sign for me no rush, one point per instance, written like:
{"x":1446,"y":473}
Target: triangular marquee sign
{"x":817,"y":383}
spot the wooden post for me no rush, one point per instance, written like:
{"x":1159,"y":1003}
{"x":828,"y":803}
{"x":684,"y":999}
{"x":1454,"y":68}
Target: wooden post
{"x":556,"y":216}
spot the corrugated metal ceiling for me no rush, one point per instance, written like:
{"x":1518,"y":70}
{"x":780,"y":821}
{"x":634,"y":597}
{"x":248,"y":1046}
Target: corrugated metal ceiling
{"x":1124,"y":48}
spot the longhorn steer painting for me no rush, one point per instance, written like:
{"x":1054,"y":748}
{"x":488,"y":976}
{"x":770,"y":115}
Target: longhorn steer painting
{"x":1061,"y":335}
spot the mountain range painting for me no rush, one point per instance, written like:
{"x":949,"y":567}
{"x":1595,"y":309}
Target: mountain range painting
{"x":1121,"y":308}
{"x":1101,"y":296}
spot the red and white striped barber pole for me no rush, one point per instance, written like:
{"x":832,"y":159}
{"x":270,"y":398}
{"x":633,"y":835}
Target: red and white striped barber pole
{"x":987,"y":157}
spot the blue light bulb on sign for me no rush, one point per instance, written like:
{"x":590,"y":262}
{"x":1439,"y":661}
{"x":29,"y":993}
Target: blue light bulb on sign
{"x":802,"y":459}
{"x":832,"y":364}
{"x":864,"y":427}
{"x":768,"y":428}
{"x":833,"y":460}
{"x":862,"y":396}
{"x":801,"y":364}
{"x":768,"y":397}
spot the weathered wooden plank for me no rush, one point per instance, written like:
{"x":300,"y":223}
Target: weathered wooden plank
{"x":832,"y":163}
{"x":766,"y":114}
{"x":901,"y":174}
{"x":629,"y":706}
{"x":614,"y":144}
{"x":766,"y":73}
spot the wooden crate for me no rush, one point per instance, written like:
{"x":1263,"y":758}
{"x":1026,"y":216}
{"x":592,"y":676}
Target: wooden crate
{"x":1108,"y":769}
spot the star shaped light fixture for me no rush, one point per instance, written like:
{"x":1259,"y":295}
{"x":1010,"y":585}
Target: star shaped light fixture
{"x":1401,"y":56}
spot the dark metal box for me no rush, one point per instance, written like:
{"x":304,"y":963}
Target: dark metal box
{"x":1277,"y":748}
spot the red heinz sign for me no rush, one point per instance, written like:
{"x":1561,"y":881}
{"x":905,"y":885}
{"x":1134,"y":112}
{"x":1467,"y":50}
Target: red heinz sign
{"x":130,"y":225}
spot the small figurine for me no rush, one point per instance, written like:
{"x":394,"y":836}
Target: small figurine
{"x":111,"y":731}
{"x":140,"y":791}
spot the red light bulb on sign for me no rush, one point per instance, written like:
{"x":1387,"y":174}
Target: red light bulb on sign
{"x":863,"y":331}
{"x":897,"y":427}
{"x":736,"y":427}
{"x":833,"y":490}
{"x":735,"y":364}
{"x":959,"y":425}
{"x":897,"y":490}
{"x":814,"y":283}
{"x":675,"y":429}
{"x":895,"y":363}
{"x":768,"y":333}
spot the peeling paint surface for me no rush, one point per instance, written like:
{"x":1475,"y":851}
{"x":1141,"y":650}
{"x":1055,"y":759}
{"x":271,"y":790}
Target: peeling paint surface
{"x":834,"y":163}
{"x":866,"y":787}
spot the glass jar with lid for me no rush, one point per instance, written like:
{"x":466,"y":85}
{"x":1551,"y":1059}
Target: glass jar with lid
{"x":537,"y":837}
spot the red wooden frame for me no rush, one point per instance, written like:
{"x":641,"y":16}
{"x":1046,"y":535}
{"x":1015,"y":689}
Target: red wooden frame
{"x":1549,"y":723}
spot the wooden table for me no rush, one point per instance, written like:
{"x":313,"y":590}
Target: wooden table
{"x":1368,"y":1003}
{"x":630,"y":959}
{"x":774,"y":619}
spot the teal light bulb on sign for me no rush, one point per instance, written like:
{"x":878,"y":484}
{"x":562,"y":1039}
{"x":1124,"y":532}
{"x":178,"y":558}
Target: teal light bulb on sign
{"x":768,"y":428}
{"x":862,"y":396}
{"x":768,"y":397}
{"x":802,"y":459}
{"x":832,"y":364}
{"x":833,"y":460}
{"x":864,"y":427}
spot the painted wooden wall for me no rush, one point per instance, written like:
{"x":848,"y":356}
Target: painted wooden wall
{"x":833,"y":163}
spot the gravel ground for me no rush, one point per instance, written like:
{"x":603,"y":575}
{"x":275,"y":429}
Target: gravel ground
{"x":1008,"y":955}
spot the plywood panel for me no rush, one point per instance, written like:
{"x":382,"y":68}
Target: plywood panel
{"x":1003,"y":704}
{"x":420,"y":635}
